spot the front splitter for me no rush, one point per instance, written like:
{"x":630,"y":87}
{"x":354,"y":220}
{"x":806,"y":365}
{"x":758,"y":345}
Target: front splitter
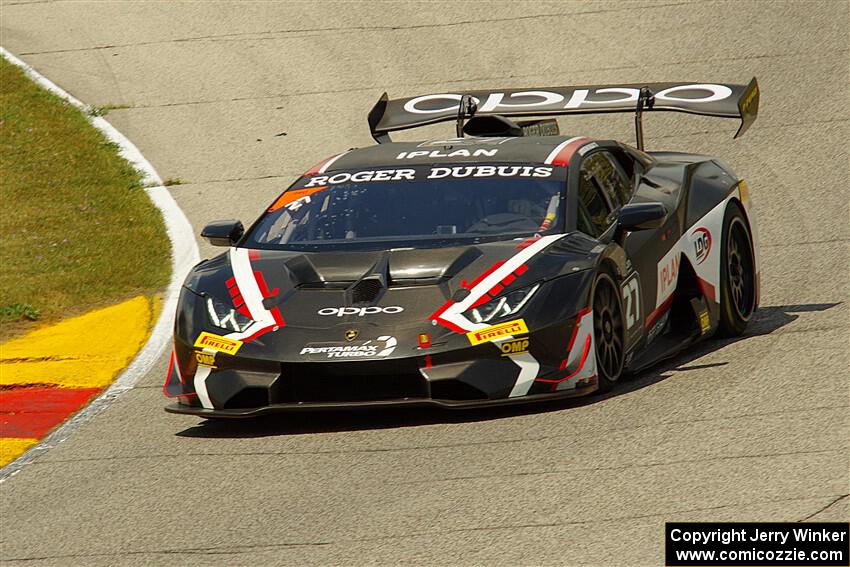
{"x":375,"y":404}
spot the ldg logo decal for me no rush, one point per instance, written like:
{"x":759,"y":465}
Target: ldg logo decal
{"x":360,"y":311}
{"x":702,"y":244}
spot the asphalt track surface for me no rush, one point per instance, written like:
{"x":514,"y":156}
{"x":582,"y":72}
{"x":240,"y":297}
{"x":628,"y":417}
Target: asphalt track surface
{"x":237,"y":99}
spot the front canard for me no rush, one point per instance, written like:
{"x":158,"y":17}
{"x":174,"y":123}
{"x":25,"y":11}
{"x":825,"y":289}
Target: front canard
{"x":493,"y":332}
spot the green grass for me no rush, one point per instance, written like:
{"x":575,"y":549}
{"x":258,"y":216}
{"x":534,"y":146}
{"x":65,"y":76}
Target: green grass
{"x":78,"y":230}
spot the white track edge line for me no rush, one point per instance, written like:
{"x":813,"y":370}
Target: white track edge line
{"x":184,"y":254}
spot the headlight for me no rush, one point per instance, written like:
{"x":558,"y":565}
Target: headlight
{"x":225,"y":317}
{"x":501,"y":307}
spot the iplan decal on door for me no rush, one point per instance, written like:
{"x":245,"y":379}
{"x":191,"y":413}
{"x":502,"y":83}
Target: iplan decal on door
{"x":668,"y":274}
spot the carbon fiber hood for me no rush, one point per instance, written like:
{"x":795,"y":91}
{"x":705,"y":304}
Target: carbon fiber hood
{"x":330,"y":296}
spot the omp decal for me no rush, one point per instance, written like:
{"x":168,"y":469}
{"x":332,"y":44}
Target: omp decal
{"x":463,"y":152}
{"x":500,"y":331}
{"x":323,"y":166}
{"x":450,"y":315}
{"x":514,"y":346}
{"x":293,"y":195}
{"x":360,"y":349}
{"x":360,"y":311}
{"x":563,"y":152}
{"x":205,"y":359}
{"x":702,"y":244}
{"x":211,"y":342}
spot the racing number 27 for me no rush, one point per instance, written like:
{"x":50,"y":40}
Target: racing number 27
{"x":631,"y":300}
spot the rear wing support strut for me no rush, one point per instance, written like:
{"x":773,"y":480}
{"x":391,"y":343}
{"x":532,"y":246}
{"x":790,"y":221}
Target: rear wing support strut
{"x":645,"y":101}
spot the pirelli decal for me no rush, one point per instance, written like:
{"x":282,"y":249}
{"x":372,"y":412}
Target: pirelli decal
{"x":493,"y":332}
{"x":218,"y":343}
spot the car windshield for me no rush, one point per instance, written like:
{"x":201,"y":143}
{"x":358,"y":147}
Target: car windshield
{"x":423,"y":205}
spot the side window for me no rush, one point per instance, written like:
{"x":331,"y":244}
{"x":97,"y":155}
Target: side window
{"x":604,"y":171}
{"x":593,"y":211}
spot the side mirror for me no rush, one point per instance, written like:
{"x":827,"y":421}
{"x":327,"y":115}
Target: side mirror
{"x":223,"y":232}
{"x":642,"y":216}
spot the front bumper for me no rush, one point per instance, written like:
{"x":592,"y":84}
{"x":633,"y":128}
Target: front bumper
{"x":377,"y":404}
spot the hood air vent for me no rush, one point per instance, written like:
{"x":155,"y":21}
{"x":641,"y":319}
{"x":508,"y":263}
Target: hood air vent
{"x":372,"y":285}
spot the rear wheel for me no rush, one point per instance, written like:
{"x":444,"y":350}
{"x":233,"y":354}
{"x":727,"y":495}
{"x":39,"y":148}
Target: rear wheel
{"x":737,"y":275}
{"x":607,"y":331}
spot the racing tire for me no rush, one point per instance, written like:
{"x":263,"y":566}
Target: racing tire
{"x":737,"y":274}
{"x":608,"y":331}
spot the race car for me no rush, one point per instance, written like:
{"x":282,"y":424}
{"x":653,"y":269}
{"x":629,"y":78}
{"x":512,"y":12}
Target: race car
{"x":506,"y":264}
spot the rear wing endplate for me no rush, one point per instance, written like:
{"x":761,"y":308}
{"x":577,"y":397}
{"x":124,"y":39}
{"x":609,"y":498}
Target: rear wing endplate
{"x":708,"y":99}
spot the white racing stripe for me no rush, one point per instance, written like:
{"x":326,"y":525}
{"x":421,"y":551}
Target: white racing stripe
{"x":528,"y":369}
{"x":184,"y":255}
{"x":250,"y":291}
{"x":454,"y":312}
{"x":330,"y":162}
{"x":554,"y":153}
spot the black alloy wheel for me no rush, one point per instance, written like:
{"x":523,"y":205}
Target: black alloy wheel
{"x":608,"y":332}
{"x":738,"y":289}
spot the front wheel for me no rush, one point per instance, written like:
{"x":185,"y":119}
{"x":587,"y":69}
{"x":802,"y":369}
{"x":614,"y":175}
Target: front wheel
{"x":607,"y":331}
{"x":737,"y":275}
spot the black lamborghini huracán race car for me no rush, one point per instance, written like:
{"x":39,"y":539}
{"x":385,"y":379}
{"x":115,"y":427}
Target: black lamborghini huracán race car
{"x":506,"y":264}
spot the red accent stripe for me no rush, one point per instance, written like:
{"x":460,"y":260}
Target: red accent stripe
{"x":581,"y":314}
{"x":34,"y":412}
{"x":233,"y":291}
{"x":168,"y":374}
{"x":428,"y":363}
{"x":315,"y":169}
{"x":508,"y":280}
{"x":521,"y":270}
{"x":577,"y":370}
{"x":706,"y":288}
{"x":563,"y":157}
{"x":238,"y":302}
{"x":658,"y":312}
{"x":278,"y":318}
{"x":253,"y":254}
{"x":528,"y":242}
{"x":243,"y":309}
{"x":230,"y":282}
{"x":489,"y":271}
{"x":496,"y":290}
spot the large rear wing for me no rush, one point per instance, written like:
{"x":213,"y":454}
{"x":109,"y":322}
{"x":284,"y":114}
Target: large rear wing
{"x":709,"y":99}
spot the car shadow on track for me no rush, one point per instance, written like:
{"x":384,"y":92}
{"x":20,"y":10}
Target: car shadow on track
{"x":767,"y":320}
